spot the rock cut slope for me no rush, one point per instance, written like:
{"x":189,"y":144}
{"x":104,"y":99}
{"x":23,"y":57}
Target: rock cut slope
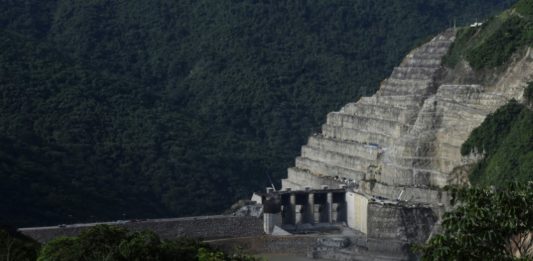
{"x":406,"y":138}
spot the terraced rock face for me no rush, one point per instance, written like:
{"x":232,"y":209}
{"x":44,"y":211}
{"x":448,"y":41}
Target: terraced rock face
{"x":407,"y":137}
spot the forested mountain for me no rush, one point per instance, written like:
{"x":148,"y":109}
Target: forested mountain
{"x":123,"y":109}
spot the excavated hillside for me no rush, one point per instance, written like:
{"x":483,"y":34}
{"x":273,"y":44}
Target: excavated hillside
{"x":405,"y":140}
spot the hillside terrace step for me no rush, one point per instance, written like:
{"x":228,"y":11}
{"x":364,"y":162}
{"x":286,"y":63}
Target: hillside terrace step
{"x":395,"y":100}
{"x":407,"y":82}
{"x":453,"y":108}
{"x":422,"y":162}
{"x":429,"y":62}
{"x":463,"y":89}
{"x":436,"y":54}
{"x":385,"y":112}
{"x":471,"y":94}
{"x":318,"y":167}
{"x":406,"y":102}
{"x":395,"y":90}
{"x":444,"y":38}
{"x":413,"y":73}
{"x":304,"y":178}
{"x":357,"y":135}
{"x":431,"y":48}
{"x":405,"y":76}
{"x":407,"y":176}
{"x":366,"y":151}
{"x":482,"y":101}
{"x":354,"y":163}
{"x":414,"y":70}
{"x":435,"y":48}
{"x":402,"y":91}
{"x":364,"y":123}
{"x":434,"y":44}
{"x":395,"y":167}
{"x":354,"y":107}
{"x":383,"y":101}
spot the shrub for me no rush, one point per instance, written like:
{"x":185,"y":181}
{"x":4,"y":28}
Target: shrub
{"x":525,"y":7}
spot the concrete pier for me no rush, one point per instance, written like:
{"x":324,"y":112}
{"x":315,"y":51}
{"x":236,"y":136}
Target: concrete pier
{"x":329,"y":207}
{"x":299,"y":207}
{"x":310,"y":209}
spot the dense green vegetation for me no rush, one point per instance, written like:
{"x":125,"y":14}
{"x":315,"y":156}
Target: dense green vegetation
{"x":506,"y":139}
{"x":528,"y":94}
{"x":110,"y":243}
{"x":122,"y":109}
{"x":488,"y":224}
{"x":525,"y":7}
{"x":16,"y":247}
{"x":492,"y":44}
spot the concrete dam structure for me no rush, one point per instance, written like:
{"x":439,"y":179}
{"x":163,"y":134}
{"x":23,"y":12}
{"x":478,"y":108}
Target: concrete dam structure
{"x":371,"y":184}
{"x":204,"y":227}
{"x":396,"y":150}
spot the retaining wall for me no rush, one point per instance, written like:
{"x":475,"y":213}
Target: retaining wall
{"x":205,"y":227}
{"x":293,"y":245}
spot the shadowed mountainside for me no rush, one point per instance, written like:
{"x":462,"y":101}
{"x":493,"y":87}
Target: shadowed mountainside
{"x":121,"y":109}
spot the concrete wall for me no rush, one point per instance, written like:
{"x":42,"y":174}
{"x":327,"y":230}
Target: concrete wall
{"x":394,"y":222}
{"x":295,"y":245}
{"x":357,"y":211}
{"x":270,"y":220}
{"x":206,"y":227}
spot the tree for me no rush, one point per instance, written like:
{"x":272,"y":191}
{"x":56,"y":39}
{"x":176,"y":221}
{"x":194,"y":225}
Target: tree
{"x":17,"y":247}
{"x":102,"y":242}
{"x":486,"y":224}
{"x":61,"y":249}
{"x":141,"y":246}
{"x":112,"y":243}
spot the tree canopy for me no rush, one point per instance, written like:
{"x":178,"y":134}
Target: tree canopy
{"x":505,"y":139}
{"x":492,"y":44}
{"x":17,"y":247}
{"x":112,"y":243}
{"x":487,"y":224}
